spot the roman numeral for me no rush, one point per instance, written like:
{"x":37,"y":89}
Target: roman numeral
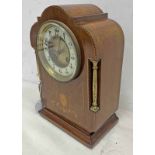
{"x":60,"y":71}
{"x":72,"y":58}
{"x":64,"y":36}
{"x":56,"y":31}
{"x":46,"y":42}
{"x":71,"y":66}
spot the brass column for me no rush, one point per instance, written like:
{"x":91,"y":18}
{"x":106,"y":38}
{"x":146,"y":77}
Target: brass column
{"x":94,"y":107}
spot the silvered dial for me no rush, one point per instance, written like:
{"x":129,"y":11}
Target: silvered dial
{"x":58,"y":50}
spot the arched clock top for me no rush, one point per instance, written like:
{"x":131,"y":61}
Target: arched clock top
{"x":74,"y":19}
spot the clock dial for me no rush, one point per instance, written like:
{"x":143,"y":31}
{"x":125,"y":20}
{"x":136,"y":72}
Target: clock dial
{"x":58,"y":50}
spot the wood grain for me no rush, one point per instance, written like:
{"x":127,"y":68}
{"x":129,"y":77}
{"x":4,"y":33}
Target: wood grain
{"x":99,"y":38}
{"x":86,"y":138}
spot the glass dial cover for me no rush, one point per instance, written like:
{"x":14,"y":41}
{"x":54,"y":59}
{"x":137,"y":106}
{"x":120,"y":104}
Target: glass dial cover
{"x":58,"y":50}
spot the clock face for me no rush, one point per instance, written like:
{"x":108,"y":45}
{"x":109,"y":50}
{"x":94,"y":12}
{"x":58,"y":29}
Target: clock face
{"x":58,"y":50}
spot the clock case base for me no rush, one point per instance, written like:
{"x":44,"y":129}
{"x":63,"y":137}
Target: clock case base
{"x":86,"y":138}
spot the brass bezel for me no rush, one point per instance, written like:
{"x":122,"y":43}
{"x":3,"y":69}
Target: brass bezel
{"x":42,"y":58}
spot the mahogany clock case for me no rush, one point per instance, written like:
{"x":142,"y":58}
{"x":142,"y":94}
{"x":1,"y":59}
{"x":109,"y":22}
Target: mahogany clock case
{"x":67,"y":104}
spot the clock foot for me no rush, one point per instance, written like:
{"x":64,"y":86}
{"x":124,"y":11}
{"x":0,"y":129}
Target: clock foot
{"x":88,"y":139}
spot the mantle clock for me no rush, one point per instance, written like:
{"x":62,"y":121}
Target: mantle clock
{"x":79,"y":53}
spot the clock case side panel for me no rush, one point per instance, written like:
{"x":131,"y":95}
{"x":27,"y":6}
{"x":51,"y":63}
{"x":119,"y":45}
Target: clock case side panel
{"x":73,"y":105}
{"x":108,"y":38}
